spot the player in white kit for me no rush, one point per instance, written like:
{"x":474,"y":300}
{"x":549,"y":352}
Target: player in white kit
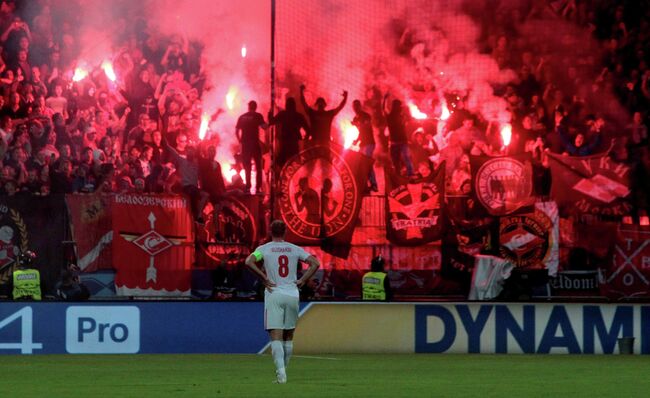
{"x":281,"y":296}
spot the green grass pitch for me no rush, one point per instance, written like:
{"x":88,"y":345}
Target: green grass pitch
{"x":243,"y":376}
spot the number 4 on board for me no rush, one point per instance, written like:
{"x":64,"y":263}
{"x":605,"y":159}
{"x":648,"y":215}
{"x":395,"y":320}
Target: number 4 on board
{"x":26,"y":345}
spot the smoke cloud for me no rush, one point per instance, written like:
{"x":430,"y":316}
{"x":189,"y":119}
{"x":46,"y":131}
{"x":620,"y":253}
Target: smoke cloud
{"x":334,"y":45}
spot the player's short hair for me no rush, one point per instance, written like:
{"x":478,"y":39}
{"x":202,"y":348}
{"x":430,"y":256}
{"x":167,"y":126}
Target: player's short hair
{"x":278,"y":228}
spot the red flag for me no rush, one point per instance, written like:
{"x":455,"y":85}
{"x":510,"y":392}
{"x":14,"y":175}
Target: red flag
{"x":153,"y":245}
{"x":92,"y":230}
{"x":591,"y":184}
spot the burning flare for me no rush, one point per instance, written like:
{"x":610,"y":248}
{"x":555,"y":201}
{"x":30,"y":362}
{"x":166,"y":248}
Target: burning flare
{"x":350,"y":133}
{"x":80,"y":73}
{"x":506,"y":134}
{"x":107,"y":66}
{"x":444,"y":112}
{"x":243,"y":51}
{"x":230,"y":97}
{"x":203,"y":129}
{"x":415,"y":112}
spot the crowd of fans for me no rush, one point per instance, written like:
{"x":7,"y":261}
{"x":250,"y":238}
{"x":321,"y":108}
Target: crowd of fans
{"x":135,"y":134}
{"x":63,"y":134}
{"x":582,"y":96}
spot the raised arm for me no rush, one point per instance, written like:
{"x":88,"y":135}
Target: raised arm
{"x":342,"y":104}
{"x":313,"y":267}
{"x":302,"y":98}
{"x":383,"y":106}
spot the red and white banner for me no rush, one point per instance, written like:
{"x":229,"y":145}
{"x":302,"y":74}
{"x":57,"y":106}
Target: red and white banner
{"x":92,"y":230}
{"x":628,"y":275}
{"x":530,"y":239}
{"x":153,"y":245}
{"x":591,"y":184}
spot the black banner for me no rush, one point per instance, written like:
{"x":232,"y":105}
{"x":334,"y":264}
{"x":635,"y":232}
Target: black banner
{"x":414,"y":208}
{"x":233,"y":226}
{"x":319,"y":196}
{"x":36,"y":224}
{"x":502,"y":184}
{"x":591,"y":184}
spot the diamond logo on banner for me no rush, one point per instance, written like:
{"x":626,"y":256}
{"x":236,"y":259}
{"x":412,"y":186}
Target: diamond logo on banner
{"x":153,"y":243}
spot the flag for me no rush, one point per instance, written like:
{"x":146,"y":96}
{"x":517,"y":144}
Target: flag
{"x":628,"y":274}
{"x":232,"y":228}
{"x":33,"y":223}
{"x":92,"y":230}
{"x":502,"y":184}
{"x":153,"y":245}
{"x":530,"y":239}
{"x":414,"y":209}
{"x":591,"y":184}
{"x":319,"y":196}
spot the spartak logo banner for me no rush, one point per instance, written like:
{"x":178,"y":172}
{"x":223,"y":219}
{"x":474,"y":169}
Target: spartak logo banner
{"x":413,"y":208}
{"x":502,"y":184}
{"x":153,"y":245}
{"x":531,"y":240}
{"x":591,"y":184}
{"x":628,"y":275}
{"x":319,"y":195}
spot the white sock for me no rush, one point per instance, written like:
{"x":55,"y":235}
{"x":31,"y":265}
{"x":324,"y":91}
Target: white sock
{"x":288,"y":350}
{"x":278,"y":355}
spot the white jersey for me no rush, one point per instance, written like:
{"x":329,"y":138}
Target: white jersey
{"x":281,"y":264}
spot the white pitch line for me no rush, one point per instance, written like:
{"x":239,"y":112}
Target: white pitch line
{"x":312,"y":357}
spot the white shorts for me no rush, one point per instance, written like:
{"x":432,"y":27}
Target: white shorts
{"x":280,"y":311}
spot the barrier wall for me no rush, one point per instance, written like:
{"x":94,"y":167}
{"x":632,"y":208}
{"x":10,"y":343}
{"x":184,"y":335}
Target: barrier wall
{"x":127,"y":328}
{"x":231,"y":327}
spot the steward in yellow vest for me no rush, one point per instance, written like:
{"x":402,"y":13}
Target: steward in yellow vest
{"x":374,"y":284}
{"x":26,"y":280}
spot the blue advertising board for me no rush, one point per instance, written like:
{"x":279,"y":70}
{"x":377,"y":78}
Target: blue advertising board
{"x":125,"y":328}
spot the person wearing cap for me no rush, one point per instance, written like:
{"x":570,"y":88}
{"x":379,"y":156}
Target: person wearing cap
{"x":26,"y":280}
{"x":375,"y":284}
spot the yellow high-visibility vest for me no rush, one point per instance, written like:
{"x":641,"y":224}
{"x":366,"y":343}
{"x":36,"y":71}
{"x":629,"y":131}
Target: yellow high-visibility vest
{"x":372,"y":286}
{"x":27,"y":284}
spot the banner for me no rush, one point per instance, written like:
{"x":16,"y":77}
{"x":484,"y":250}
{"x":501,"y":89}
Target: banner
{"x":504,"y":184}
{"x":530,"y":240}
{"x":628,"y":275}
{"x":153,"y":245}
{"x":92,"y":230}
{"x":591,"y":184}
{"x":36,"y":224}
{"x":319,"y":196}
{"x":413,"y":209}
{"x":232,"y":228}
